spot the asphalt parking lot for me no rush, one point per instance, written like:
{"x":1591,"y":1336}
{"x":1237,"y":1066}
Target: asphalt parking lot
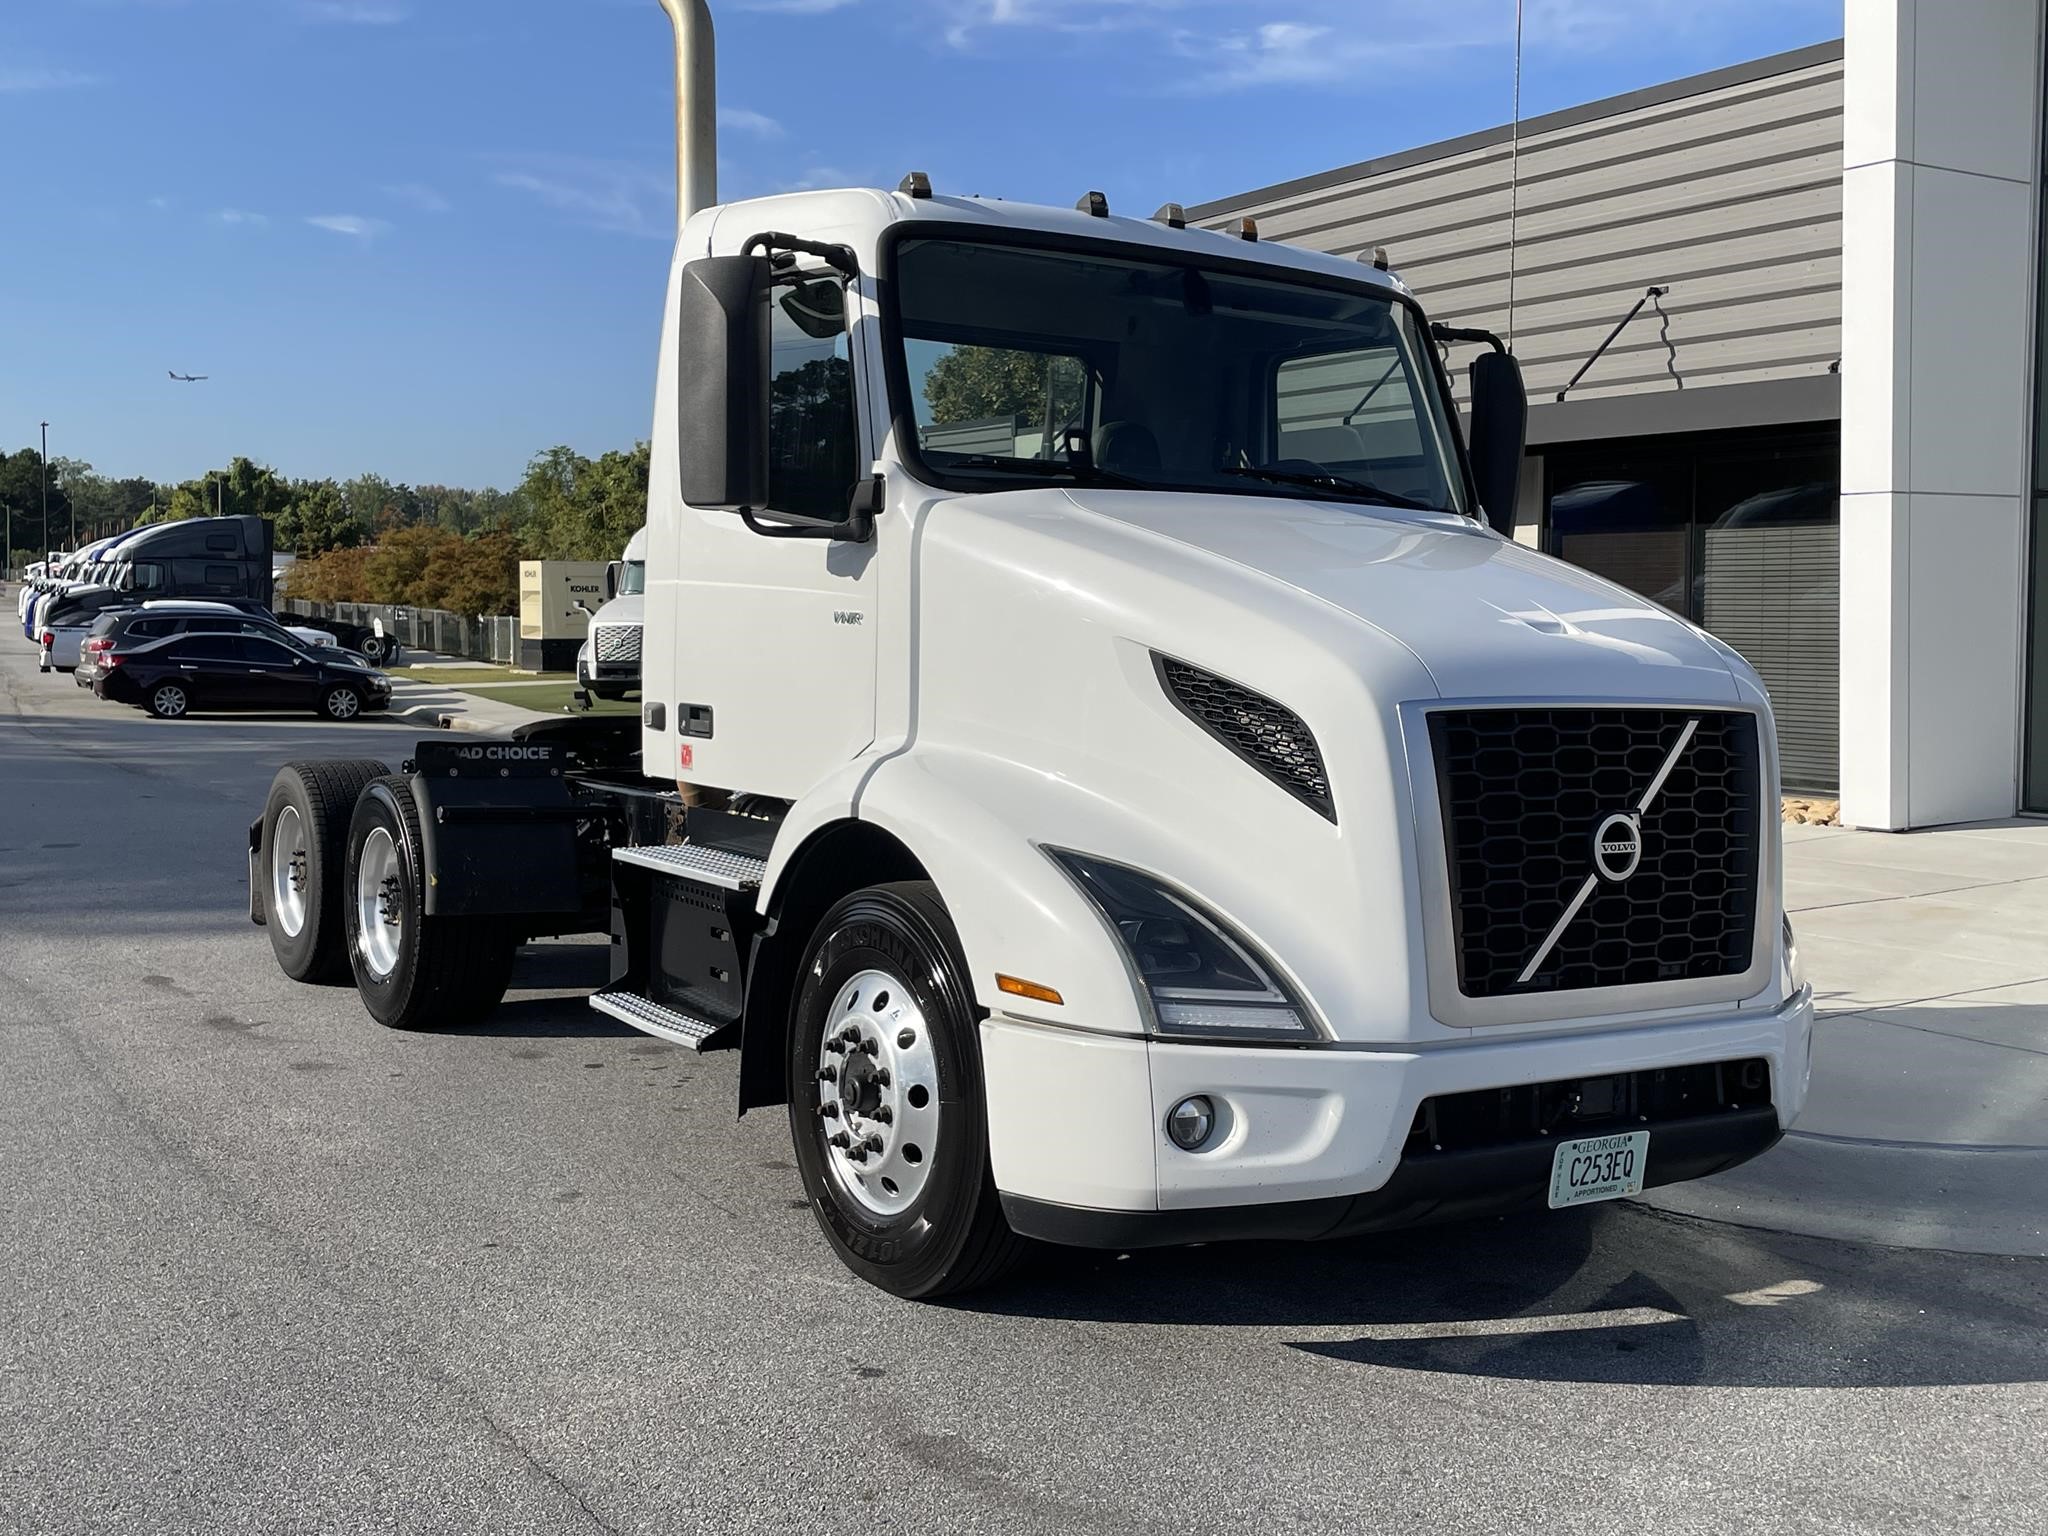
{"x":270,"y":1267}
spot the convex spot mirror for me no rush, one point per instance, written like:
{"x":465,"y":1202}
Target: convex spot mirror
{"x":817,"y":308}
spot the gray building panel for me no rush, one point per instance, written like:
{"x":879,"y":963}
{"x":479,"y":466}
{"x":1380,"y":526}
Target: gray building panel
{"x":1726,"y":188}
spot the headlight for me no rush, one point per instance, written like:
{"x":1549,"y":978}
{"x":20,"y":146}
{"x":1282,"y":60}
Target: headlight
{"x":1199,"y":979}
{"x":1795,"y":973}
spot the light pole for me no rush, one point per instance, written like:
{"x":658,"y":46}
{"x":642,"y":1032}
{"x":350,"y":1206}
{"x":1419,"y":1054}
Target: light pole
{"x":46,"y":487}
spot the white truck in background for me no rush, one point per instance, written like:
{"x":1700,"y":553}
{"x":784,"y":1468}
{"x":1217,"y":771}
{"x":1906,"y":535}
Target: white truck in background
{"x":1102,"y":760}
{"x":608,"y":662}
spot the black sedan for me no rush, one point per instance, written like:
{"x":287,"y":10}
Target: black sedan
{"x":181,"y":673}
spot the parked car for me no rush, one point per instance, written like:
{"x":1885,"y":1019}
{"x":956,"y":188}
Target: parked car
{"x":202,"y":669}
{"x":68,"y":617}
{"x":126,"y":628}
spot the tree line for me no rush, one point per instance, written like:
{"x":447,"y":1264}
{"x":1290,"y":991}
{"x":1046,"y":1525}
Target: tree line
{"x":368,"y":539}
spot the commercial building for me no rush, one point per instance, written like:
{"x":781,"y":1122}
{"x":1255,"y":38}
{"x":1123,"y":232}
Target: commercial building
{"x":1814,"y":434}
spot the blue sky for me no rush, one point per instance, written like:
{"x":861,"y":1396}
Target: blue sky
{"x":427,"y":237}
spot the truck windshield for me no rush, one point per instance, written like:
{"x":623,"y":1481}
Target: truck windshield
{"x":1025,"y":364}
{"x":633,"y":579}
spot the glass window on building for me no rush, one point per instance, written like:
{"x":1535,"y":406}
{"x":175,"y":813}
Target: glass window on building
{"x":1739,"y":532}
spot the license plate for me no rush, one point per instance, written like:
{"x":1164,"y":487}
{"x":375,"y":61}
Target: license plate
{"x":1598,"y":1168}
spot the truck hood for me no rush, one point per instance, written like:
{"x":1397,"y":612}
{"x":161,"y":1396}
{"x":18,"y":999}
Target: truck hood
{"x":1486,"y":617}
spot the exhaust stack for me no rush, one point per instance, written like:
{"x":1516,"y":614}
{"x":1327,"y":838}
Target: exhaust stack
{"x":696,"y":107}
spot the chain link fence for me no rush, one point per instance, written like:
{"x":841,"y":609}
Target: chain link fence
{"x":425,"y":629}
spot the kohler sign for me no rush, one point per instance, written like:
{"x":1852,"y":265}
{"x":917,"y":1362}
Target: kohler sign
{"x":549,"y":591}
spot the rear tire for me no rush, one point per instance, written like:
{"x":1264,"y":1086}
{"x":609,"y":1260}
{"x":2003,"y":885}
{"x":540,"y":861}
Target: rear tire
{"x":168,"y":701}
{"x":940,"y":1230}
{"x":301,"y":870}
{"x":373,"y":650}
{"x":413,"y":971}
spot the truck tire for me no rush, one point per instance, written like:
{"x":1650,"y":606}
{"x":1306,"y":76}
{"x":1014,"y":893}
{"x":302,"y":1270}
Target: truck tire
{"x":299,"y":862}
{"x":413,"y":971}
{"x":373,"y":649}
{"x":886,"y":1105}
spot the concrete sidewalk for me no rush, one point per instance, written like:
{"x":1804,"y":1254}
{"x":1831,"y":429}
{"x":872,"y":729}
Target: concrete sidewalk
{"x":1927,"y":1124}
{"x":446,"y":707}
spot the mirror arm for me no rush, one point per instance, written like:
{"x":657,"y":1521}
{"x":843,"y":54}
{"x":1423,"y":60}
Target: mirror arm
{"x":1467,"y":333}
{"x":857,"y":527}
{"x":839,"y":257}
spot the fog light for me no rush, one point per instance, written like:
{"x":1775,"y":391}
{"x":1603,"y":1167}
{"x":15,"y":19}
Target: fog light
{"x":1191,"y":1122}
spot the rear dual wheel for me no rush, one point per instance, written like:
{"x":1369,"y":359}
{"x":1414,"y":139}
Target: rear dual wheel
{"x":299,"y":862}
{"x":414,"y":971}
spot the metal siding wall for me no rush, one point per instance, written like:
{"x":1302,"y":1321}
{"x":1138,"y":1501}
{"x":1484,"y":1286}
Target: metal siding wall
{"x":1732,"y":197}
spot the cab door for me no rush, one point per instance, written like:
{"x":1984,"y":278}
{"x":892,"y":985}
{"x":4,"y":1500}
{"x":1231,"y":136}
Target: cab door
{"x":772,"y":667}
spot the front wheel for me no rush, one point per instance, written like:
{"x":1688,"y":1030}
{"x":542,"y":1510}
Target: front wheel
{"x":413,"y":971}
{"x":886,"y":1102}
{"x":169,"y":701}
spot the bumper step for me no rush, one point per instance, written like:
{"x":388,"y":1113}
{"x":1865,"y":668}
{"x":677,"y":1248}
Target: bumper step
{"x":713,"y":866}
{"x":655,"y":1019}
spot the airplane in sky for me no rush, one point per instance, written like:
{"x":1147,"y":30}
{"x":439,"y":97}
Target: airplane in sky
{"x":189,"y":378}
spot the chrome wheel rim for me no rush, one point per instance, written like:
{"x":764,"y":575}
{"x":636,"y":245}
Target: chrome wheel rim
{"x":341,"y":704}
{"x":878,"y":1094}
{"x":288,"y":871}
{"x":380,"y":904}
{"x":170,"y":700}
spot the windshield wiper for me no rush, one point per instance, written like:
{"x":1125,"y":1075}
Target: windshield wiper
{"x":1082,"y":472}
{"x":1324,"y":480}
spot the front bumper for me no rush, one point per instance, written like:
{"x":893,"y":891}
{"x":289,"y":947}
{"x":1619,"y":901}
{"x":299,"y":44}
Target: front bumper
{"x":1315,"y":1143}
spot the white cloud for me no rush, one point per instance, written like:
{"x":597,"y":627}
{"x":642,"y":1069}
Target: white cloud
{"x":355,"y":226}
{"x":22,"y":78}
{"x":353,"y":13}
{"x":741,"y":120}
{"x":241,"y":216}
{"x":608,"y":195}
{"x":418,"y":194}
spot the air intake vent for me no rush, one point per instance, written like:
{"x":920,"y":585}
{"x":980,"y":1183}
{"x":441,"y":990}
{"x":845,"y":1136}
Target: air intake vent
{"x":1273,"y":739}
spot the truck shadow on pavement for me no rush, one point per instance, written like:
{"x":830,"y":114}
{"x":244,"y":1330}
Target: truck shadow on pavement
{"x":1624,"y":1295}
{"x":566,"y":974}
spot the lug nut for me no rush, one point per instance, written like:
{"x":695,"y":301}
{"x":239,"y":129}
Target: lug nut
{"x":828,"y":1074}
{"x":881,"y":1077}
{"x":836,"y":1047}
{"x":828,"y":1111}
{"x":874,"y":1143}
{"x":850,"y":1034}
{"x":841,"y":1140}
{"x":869,"y":1047}
{"x":858,"y":1154}
{"x":885,"y":1115}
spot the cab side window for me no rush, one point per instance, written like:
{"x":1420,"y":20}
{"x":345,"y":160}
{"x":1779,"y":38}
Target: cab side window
{"x":811,"y":447}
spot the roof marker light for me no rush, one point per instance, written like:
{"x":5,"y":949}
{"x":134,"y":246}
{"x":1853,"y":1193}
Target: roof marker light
{"x":1379,"y":257}
{"x":1172,"y":215}
{"x":916,"y":184}
{"x":1249,"y":229}
{"x":1094,"y":204}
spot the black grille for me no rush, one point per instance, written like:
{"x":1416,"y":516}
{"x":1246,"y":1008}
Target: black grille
{"x":1273,"y":739}
{"x":1523,"y":793}
{"x":1588,"y":1106}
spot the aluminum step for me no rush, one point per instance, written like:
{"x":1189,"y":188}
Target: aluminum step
{"x":713,"y":866}
{"x":653,"y":1018}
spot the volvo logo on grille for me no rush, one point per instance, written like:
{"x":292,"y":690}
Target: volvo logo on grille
{"x":1618,"y":847}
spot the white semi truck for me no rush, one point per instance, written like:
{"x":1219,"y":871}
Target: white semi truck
{"x":608,"y":662}
{"x":1103,"y":762}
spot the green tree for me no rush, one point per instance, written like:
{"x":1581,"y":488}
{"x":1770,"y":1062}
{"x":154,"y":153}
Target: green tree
{"x":980,"y":383}
{"x":583,"y":509}
{"x":21,"y":494}
{"x":316,"y":520}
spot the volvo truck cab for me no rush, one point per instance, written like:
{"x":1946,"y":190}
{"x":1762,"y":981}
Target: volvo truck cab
{"x":1103,"y":762}
{"x":608,"y":664}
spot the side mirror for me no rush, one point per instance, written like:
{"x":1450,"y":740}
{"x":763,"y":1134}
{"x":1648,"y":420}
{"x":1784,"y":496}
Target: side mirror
{"x":722,"y":372}
{"x":1500,"y":423}
{"x":612,"y":572}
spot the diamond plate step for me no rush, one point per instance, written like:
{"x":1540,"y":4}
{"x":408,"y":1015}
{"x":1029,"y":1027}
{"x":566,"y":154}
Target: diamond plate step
{"x":714,"y":866}
{"x":653,"y":1018}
